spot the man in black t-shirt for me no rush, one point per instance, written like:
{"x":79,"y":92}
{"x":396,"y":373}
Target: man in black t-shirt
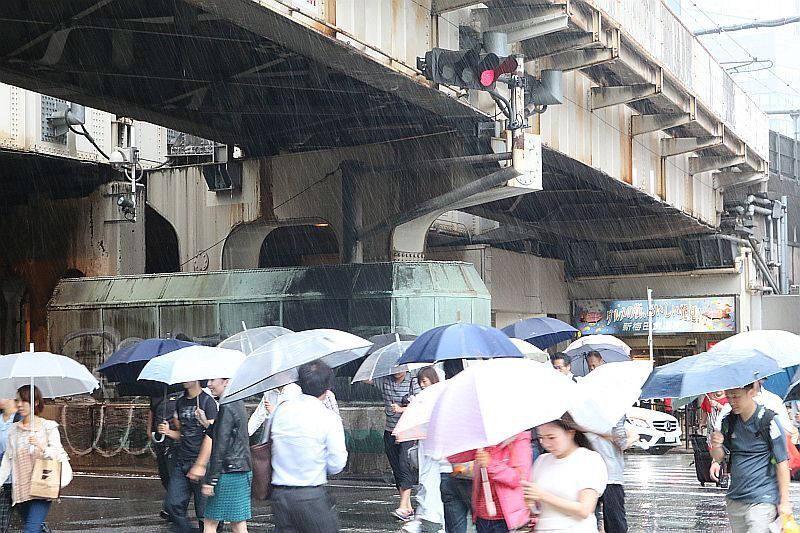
{"x":162,"y":408}
{"x":189,"y":437}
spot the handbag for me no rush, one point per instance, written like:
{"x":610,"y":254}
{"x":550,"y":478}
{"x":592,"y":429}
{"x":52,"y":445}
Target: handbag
{"x":46,"y":479}
{"x":261,"y":462}
{"x":50,"y":476}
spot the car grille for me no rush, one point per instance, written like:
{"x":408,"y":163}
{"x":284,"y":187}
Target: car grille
{"x":665,"y":425}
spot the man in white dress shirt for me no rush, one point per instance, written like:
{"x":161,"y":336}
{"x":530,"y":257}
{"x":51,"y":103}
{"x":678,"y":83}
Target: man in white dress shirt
{"x":307,"y":446}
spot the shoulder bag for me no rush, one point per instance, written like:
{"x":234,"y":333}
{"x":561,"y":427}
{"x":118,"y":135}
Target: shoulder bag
{"x":261,"y":458}
{"x":50,"y":475}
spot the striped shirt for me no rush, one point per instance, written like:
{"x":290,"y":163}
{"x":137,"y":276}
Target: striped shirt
{"x":394,"y":391}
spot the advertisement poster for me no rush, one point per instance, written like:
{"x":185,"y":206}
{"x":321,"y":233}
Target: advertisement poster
{"x":716,"y":314}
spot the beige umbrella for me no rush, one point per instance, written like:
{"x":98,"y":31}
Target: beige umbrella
{"x":530,"y":351}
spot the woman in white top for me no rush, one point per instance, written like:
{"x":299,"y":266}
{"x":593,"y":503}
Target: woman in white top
{"x":566,"y":481}
{"x":25,"y":445}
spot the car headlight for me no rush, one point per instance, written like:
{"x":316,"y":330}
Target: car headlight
{"x":638,"y":422}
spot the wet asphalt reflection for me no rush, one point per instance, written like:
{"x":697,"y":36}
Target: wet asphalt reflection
{"x":662,"y":495}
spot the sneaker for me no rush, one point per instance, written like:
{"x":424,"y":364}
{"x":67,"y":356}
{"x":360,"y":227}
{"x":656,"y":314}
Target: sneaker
{"x":412,"y":526}
{"x":403,"y":515}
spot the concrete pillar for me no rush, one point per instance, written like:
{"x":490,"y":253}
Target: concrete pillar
{"x":352,"y":211}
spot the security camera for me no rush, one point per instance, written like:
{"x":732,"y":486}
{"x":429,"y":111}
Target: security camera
{"x":119,"y":159}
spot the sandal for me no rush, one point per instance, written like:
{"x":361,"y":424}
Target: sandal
{"x":402,"y":515}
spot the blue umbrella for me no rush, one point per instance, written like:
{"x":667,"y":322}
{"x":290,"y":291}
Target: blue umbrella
{"x":459,"y":341}
{"x":707,"y":372}
{"x":126,"y":364}
{"x":781,"y":383}
{"x":542,"y":332}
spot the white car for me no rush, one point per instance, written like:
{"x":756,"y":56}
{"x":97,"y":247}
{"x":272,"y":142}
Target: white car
{"x":658,"y":432}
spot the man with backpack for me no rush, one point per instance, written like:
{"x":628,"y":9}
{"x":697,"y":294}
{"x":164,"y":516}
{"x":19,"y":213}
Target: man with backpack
{"x":756,"y":446}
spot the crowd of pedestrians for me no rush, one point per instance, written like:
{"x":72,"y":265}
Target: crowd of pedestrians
{"x":555,"y":477}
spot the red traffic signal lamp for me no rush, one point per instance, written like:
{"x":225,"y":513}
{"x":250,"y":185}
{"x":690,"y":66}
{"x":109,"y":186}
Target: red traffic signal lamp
{"x":466,"y":69}
{"x":492,"y":67}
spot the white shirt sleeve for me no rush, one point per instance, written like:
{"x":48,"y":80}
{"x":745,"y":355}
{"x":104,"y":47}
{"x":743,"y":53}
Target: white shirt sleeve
{"x":596,"y":473}
{"x":335,"y":449}
{"x":258,"y":417}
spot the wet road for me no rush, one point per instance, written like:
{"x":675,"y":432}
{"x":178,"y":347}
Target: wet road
{"x":662,"y":495}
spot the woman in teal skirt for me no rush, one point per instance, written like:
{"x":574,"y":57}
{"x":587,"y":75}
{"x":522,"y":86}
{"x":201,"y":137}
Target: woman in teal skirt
{"x":228,"y":474}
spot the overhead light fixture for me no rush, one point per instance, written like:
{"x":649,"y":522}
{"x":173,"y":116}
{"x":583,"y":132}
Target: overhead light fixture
{"x":321,"y":225}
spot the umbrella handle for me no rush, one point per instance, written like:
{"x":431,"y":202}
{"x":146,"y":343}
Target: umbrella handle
{"x":487,"y":493}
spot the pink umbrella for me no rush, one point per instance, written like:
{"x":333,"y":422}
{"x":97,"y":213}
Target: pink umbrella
{"x":493,"y":401}
{"x":413,"y":423}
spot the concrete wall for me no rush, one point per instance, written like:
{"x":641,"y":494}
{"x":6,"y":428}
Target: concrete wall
{"x":50,"y":237}
{"x":781,"y":312}
{"x":203,"y":219}
{"x":521,"y":285}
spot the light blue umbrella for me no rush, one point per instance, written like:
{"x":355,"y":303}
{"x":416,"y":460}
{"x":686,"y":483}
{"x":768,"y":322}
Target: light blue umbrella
{"x":707,"y":372}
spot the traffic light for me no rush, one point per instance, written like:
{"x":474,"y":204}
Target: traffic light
{"x":466,"y":69}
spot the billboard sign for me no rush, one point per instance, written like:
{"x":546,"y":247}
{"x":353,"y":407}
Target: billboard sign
{"x":715,"y":314}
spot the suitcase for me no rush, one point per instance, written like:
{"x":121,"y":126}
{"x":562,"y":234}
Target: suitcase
{"x":702,"y":459}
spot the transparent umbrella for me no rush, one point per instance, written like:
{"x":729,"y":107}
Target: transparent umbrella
{"x":275,"y":364}
{"x":383,"y":362}
{"x":250,"y":340}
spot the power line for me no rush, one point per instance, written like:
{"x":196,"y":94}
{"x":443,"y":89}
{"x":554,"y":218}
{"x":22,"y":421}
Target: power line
{"x":745,"y":50}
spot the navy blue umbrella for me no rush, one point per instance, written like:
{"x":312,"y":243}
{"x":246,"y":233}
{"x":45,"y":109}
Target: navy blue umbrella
{"x":459,"y":341}
{"x":125,"y":365}
{"x":707,"y":372}
{"x":542,"y":332}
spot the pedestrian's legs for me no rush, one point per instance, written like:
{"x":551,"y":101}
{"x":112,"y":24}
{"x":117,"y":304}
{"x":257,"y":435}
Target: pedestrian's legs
{"x":5,"y":508}
{"x":750,"y":517}
{"x":455,"y":511}
{"x":34,"y":511}
{"x":239,"y":527}
{"x":406,"y":475}
{"x":614,"y":519}
{"x":304,"y":510}
{"x":491,"y":526}
{"x":177,"y":501}
{"x":392,"y":450}
{"x":199,"y":503}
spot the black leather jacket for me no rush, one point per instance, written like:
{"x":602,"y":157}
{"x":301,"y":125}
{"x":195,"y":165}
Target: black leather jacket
{"x":231,"y":450}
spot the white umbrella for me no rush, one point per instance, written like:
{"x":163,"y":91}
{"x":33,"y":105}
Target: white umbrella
{"x":780,"y":345}
{"x":413,"y":423}
{"x":530,"y":351}
{"x":249,"y":340}
{"x":488,"y":403}
{"x":54,"y":375}
{"x":193,"y":363}
{"x":275,"y":364}
{"x":605,"y":393}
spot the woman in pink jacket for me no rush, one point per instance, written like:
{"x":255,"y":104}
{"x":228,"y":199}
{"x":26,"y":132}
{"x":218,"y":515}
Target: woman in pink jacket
{"x":507,"y":464}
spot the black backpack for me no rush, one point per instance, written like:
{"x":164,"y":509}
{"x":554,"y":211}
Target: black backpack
{"x":765,"y":418}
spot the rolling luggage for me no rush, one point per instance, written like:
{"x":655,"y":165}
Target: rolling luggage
{"x":702,"y":458}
